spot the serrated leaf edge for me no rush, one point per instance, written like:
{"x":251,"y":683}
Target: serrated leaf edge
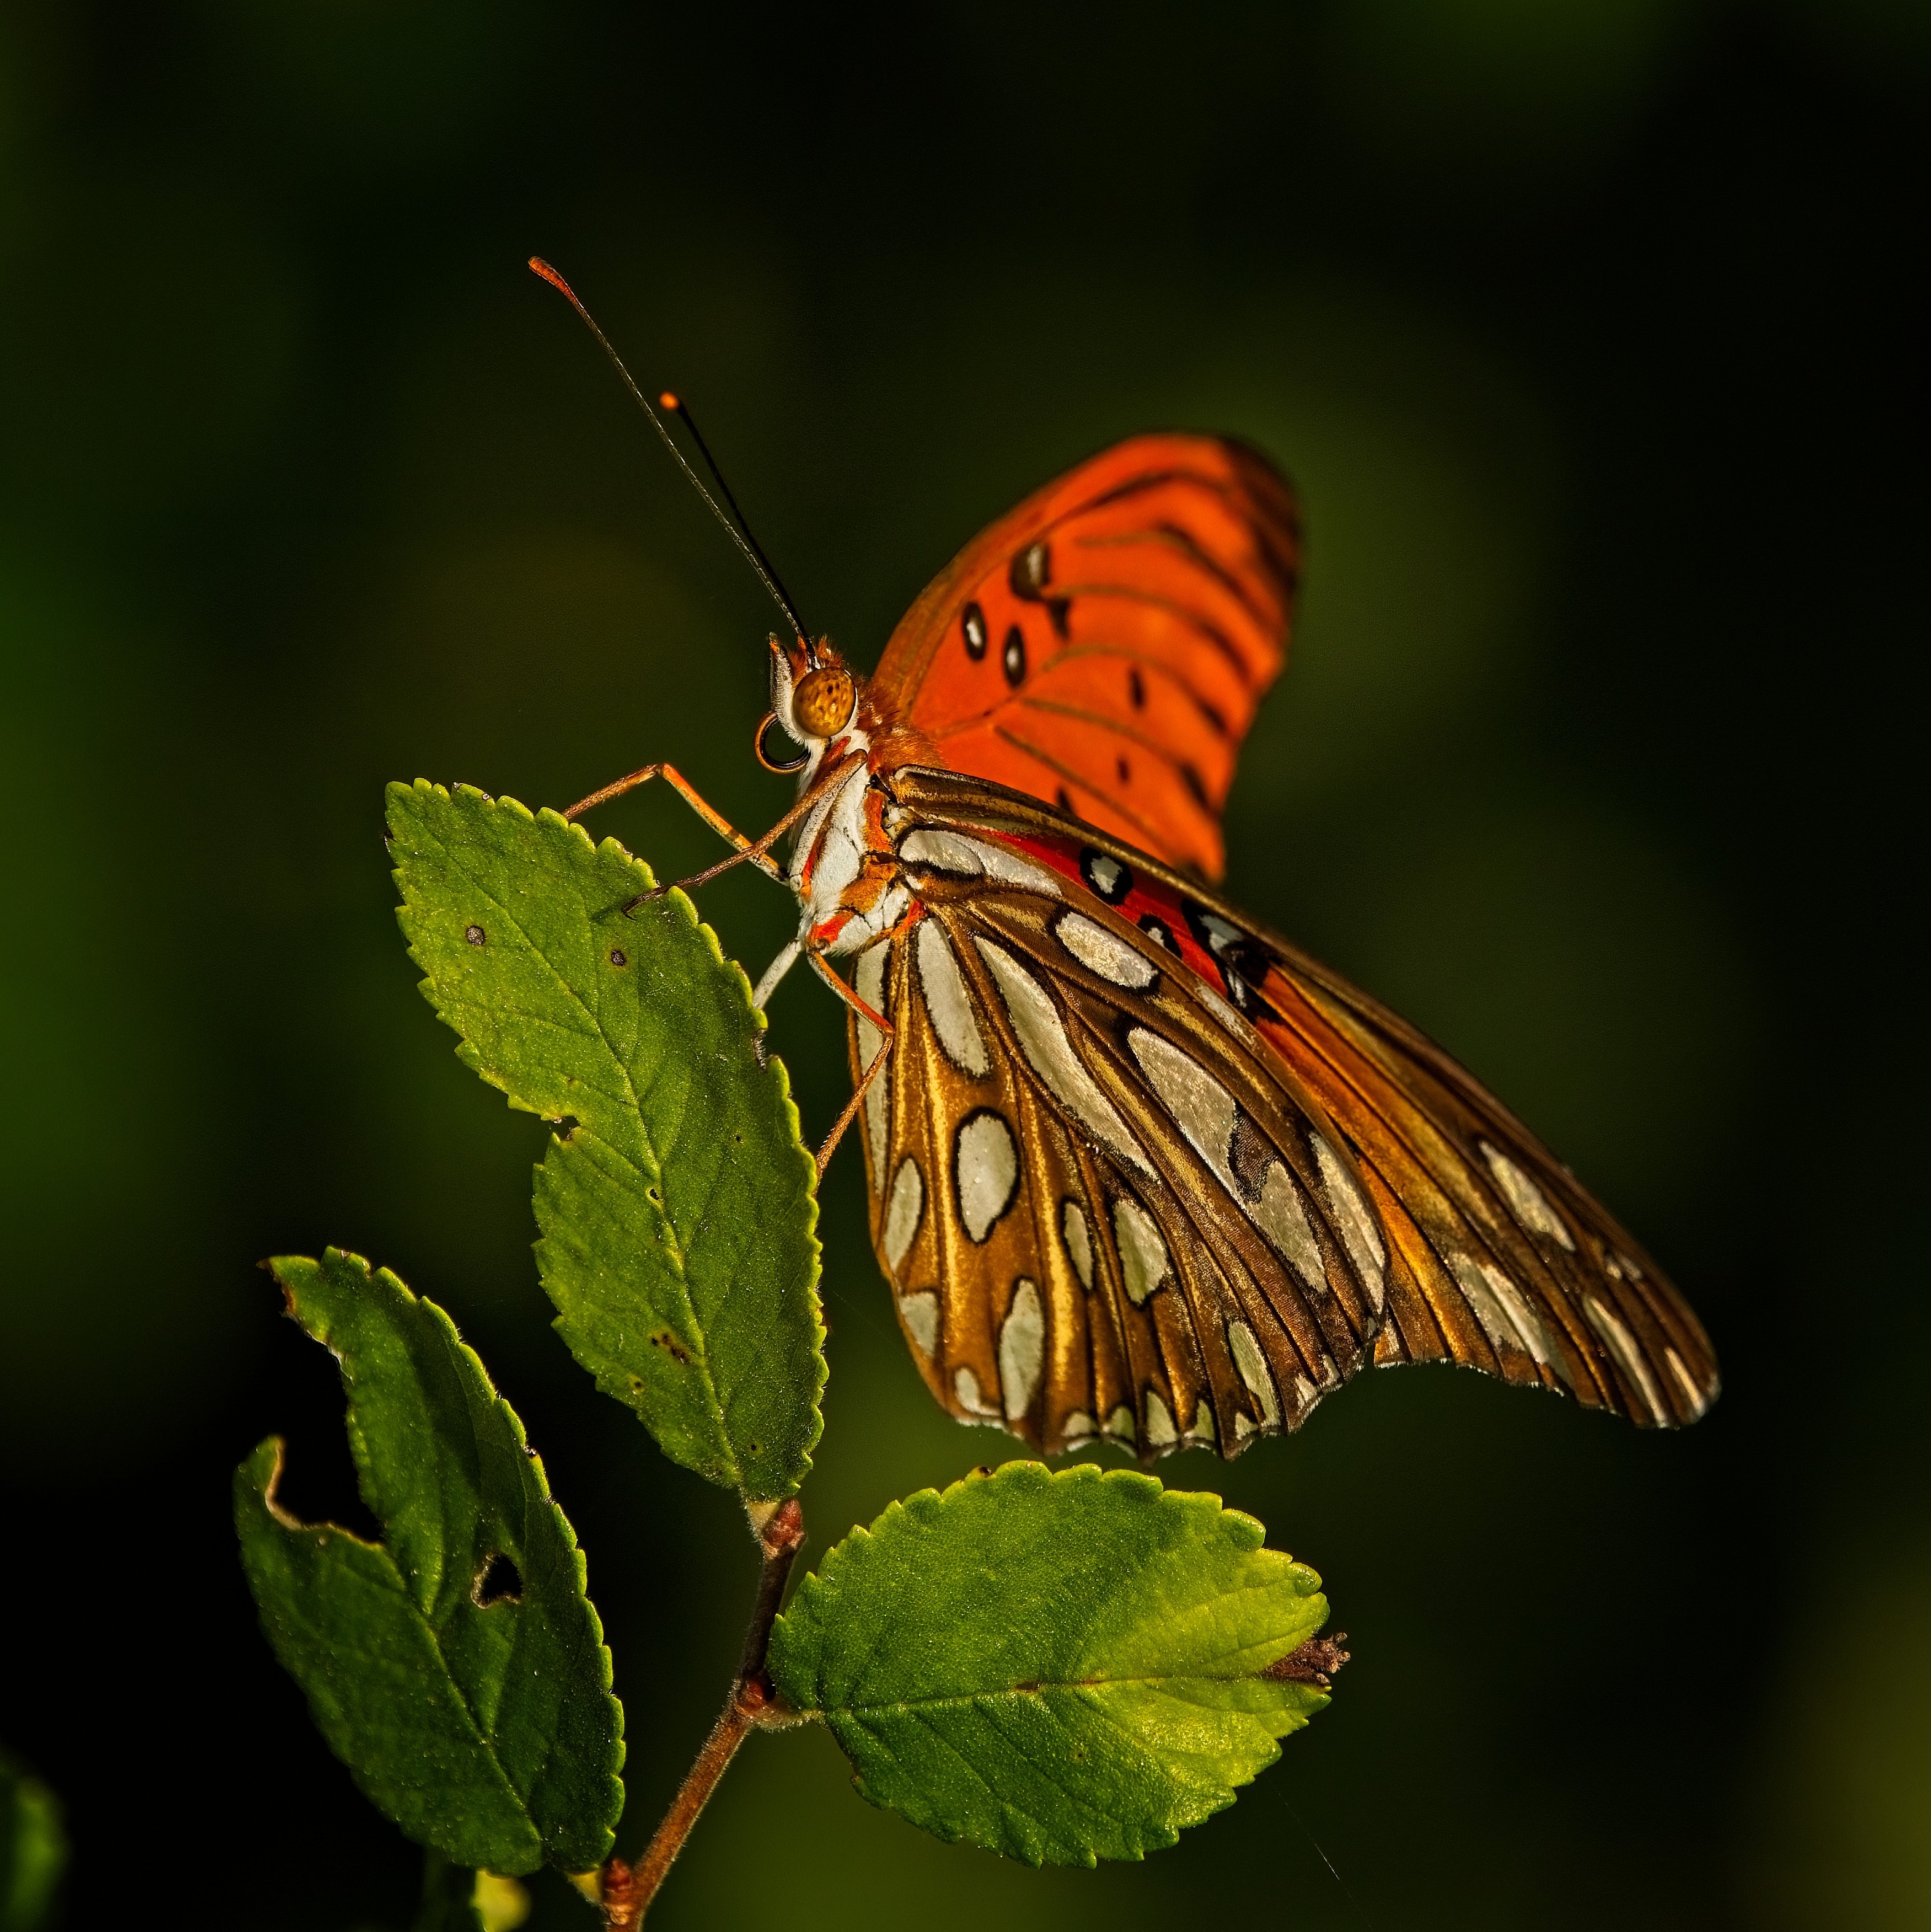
{"x":551,"y":823}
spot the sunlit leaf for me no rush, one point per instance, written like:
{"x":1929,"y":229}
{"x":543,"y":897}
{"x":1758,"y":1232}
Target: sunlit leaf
{"x":33,"y":1849}
{"x":1059,"y":1667}
{"x":456,"y":1667}
{"x":678,"y":1212}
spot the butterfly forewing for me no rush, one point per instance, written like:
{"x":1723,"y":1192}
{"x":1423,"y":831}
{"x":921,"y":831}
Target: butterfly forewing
{"x":1107,"y":644}
{"x":1420,"y":1195}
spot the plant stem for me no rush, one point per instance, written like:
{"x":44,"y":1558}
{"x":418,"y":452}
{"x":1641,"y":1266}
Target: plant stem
{"x":628,"y":1890}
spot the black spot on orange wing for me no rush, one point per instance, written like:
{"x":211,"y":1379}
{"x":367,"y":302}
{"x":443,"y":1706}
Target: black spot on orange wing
{"x":1012,"y":659}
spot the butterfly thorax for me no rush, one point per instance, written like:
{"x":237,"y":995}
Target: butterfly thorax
{"x":843,"y":867}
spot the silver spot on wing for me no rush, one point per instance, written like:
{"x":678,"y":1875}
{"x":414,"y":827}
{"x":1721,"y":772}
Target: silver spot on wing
{"x":965,"y":1387}
{"x":1527,"y":1201}
{"x":902,"y":1210}
{"x":1160,"y":1430}
{"x":1201,"y":1108}
{"x":986,"y":1163}
{"x":1042,"y":1039}
{"x":1501,"y":1306}
{"x":1104,"y":952}
{"x":1143,"y":1255}
{"x":1022,"y":1349}
{"x":1359,"y":1234}
{"x":1284,"y":1223}
{"x":1252,"y":1365}
{"x":948,"y":1002}
{"x":920,"y":1314}
{"x":1078,"y":1238}
{"x":970,"y":858}
{"x":1622,"y":1345}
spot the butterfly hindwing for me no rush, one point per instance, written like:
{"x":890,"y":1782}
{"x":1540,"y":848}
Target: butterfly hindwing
{"x":1107,"y":644}
{"x":1099,"y":1212}
{"x":1484,"y":1249}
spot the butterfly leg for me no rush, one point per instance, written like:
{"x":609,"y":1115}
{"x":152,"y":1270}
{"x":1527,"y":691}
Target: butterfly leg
{"x":757,"y":850}
{"x":689,"y":793}
{"x":864,"y":1011}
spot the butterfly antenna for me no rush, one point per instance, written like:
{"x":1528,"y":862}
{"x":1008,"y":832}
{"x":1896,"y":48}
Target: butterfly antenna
{"x":678,"y":407}
{"x":738,"y":534}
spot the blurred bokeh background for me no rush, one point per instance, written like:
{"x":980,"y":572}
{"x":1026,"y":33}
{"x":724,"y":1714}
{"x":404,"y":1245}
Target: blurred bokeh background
{"x":1591,"y":335}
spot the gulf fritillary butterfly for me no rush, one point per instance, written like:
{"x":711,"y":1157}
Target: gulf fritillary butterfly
{"x":1138,"y":1168}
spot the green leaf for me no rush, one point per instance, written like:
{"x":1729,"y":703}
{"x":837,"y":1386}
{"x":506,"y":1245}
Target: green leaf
{"x":33,"y":1849}
{"x":678,"y":1213}
{"x":1058,"y":1667}
{"x":456,"y":1667}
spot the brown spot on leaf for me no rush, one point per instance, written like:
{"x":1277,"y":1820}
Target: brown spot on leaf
{"x":1313,"y":1662}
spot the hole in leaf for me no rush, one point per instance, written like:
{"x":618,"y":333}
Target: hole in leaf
{"x":476,"y":935}
{"x":499,"y":1581}
{"x":617,"y":958}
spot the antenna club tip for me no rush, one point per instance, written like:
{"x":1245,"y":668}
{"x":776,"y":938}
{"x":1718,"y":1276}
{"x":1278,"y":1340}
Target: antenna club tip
{"x":668,"y":399}
{"x":539,"y":267}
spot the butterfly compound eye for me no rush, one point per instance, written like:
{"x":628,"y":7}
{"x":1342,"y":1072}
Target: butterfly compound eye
{"x":824,"y":701}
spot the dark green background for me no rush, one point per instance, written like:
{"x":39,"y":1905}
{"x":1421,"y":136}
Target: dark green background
{"x":1591,"y":333}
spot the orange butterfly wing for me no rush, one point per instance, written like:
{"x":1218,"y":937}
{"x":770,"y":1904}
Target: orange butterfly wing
{"x":1105,"y":646}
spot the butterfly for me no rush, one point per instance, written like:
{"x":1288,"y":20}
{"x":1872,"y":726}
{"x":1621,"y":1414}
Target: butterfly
{"x":1138,"y":1168}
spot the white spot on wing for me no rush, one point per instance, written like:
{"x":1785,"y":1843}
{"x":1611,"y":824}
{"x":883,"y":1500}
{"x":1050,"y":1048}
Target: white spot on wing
{"x":869,"y":981}
{"x":1078,"y":1430}
{"x":965,"y":1387}
{"x":1254,"y":1371}
{"x":1359,"y":1235}
{"x":1202,"y":1430}
{"x":1143,"y":1255}
{"x":1104,"y":953}
{"x":945,"y":851}
{"x":1200,"y":1106}
{"x":1119,"y":1425}
{"x":920,"y":1314}
{"x":948,"y":1002}
{"x":902,"y":1211}
{"x":1105,"y":872}
{"x":986,"y":1164}
{"x":1022,"y":1349}
{"x":1160,"y":1430}
{"x":1042,"y":1039}
{"x":1079,"y":1241}
{"x":1622,"y":1345}
{"x":953,"y":852}
{"x":1501,"y":1307}
{"x":1284,"y":1223}
{"x":1698,"y":1401}
{"x":1526,"y":1202}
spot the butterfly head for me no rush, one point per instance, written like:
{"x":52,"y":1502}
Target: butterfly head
{"x":813,"y":696}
